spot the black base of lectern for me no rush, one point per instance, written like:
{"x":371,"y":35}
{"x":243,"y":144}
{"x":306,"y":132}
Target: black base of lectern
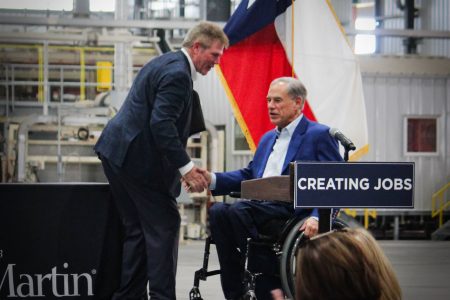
{"x":58,"y":240}
{"x":324,"y":220}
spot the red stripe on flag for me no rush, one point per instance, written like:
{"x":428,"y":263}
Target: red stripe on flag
{"x":248,"y":67}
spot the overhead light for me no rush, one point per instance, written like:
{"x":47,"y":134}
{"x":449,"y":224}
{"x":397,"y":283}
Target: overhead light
{"x":365,"y":44}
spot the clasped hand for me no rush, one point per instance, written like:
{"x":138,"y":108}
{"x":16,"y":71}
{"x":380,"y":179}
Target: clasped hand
{"x":196,"y":180}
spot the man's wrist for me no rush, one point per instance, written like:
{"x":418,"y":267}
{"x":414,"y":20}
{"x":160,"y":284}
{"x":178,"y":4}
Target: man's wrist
{"x":212,"y":185}
{"x":186,"y":168}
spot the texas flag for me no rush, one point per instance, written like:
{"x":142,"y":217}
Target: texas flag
{"x":302,"y":38}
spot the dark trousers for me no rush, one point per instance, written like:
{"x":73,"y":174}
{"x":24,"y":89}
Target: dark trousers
{"x":150,"y":250}
{"x":231,"y":225}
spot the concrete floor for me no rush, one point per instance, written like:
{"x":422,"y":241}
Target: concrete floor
{"x":423,"y":269}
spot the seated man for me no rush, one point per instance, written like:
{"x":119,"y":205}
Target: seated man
{"x":295,"y":138}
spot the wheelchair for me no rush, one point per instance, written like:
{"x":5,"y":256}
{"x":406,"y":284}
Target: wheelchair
{"x":282,"y":239}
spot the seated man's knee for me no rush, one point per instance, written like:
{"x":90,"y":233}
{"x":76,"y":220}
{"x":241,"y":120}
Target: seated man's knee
{"x":217,"y":212}
{"x":242,"y":211}
{"x":238,"y":207}
{"x":217,"y":209}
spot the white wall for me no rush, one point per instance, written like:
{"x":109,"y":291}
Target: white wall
{"x":388,"y":100}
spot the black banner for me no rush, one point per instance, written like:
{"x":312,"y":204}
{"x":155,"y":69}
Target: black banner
{"x":58,"y":241}
{"x":354,"y":185}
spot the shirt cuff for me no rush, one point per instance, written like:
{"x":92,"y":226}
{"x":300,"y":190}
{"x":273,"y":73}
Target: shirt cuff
{"x":212,"y":185}
{"x":186,"y":168}
{"x":315,"y":218}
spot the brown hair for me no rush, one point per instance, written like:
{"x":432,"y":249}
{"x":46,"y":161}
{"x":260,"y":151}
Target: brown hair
{"x":346,"y":264}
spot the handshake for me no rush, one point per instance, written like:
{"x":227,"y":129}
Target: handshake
{"x":196,"y":180}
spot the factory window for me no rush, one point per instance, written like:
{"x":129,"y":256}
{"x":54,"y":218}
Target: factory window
{"x":365,"y":43}
{"x":240,"y":144}
{"x":421,"y":135}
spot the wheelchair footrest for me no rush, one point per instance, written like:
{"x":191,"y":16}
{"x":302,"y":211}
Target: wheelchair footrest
{"x":194,"y":294}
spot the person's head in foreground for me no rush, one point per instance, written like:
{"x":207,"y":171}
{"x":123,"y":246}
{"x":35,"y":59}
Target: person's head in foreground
{"x":346,"y":264}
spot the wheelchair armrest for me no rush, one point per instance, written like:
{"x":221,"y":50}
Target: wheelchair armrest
{"x":235,"y":194}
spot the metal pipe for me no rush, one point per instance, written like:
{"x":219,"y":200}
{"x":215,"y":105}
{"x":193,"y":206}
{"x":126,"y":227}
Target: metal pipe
{"x":163,"y":45}
{"x":41,"y":74}
{"x":59,"y":165}
{"x":83,"y":23}
{"x":13,"y":92}
{"x":7,"y":91}
{"x":396,"y":228}
{"x":82,"y":75}
{"x":182,"y":5}
{"x":61,"y":81}
{"x":33,"y":37}
{"x":213,"y":148}
{"x":410,"y":11}
{"x":425,"y":34}
{"x":400,"y":4}
{"x":46,"y":86}
{"x":379,"y":17}
{"x":410,"y":14}
{"x":121,"y":58}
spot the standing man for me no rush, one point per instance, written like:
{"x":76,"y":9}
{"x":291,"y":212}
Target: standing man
{"x":143,"y":154}
{"x":295,"y":138}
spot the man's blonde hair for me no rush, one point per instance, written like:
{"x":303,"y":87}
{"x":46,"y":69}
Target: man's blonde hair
{"x":205,"y":33}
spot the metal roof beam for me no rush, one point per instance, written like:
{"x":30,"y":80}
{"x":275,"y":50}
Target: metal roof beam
{"x":429,"y":34}
{"x":83,"y":23}
{"x":87,"y":38}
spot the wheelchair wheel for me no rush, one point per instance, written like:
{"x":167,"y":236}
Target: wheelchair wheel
{"x":289,"y":254}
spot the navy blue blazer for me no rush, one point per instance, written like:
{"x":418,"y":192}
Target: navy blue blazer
{"x":310,"y":141}
{"x":147,"y":137}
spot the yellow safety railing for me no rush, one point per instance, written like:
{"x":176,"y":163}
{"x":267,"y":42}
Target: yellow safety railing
{"x":80,"y":49}
{"x":41,"y":74}
{"x":82,"y":75}
{"x":439,"y":204}
{"x":350,"y":212}
{"x":367,"y":213}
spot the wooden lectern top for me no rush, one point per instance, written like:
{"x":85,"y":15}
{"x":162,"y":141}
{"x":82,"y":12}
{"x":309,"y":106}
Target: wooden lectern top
{"x":276,"y":188}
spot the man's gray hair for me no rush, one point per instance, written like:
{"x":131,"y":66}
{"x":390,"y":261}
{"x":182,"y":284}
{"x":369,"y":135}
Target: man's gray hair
{"x":295,"y":87}
{"x":205,"y":33}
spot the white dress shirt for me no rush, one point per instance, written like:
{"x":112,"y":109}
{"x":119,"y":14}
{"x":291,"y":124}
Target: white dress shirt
{"x":278,"y":155}
{"x":186,"y":168}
